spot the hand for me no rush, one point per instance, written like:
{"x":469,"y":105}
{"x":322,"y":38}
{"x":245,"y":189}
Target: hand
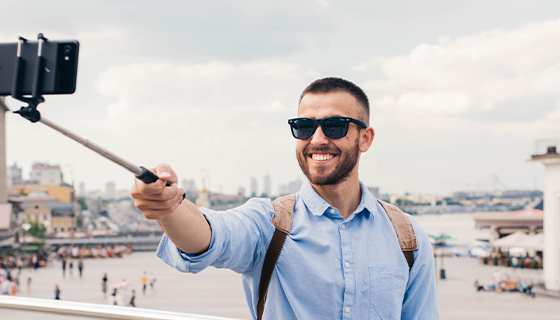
{"x":155,"y":200}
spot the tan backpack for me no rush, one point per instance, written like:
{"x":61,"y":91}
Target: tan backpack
{"x":282,"y":221}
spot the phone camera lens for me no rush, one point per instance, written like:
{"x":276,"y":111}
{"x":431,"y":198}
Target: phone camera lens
{"x":67,"y":49}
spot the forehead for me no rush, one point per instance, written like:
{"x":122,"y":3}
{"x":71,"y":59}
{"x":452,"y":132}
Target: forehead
{"x":330,"y":104}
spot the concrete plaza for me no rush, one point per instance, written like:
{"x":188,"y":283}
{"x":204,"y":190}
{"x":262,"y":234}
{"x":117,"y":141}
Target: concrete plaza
{"x":219,"y":292}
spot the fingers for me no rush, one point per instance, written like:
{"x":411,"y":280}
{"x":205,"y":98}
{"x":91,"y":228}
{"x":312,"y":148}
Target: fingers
{"x":156,"y":210}
{"x":164,"y":172}
{"x":156,"y":200}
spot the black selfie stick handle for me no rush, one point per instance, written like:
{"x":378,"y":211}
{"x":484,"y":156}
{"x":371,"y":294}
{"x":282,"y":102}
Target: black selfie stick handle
{"x":148,"y":177}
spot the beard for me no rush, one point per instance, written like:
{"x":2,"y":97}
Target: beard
{"x":341,"y":171}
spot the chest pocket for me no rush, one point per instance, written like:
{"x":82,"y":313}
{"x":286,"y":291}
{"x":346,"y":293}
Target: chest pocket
{"x":387,"y":287}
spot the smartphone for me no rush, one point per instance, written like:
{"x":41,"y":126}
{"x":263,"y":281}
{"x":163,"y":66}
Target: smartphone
{"x":59,"y":69}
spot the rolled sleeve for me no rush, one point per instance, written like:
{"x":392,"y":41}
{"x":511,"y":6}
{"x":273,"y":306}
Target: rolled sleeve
{"x":240,"y":237}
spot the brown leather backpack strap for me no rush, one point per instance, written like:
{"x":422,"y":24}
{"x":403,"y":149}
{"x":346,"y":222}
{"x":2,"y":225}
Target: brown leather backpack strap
{"x":282,"y":221}
{"x":404,"y":230}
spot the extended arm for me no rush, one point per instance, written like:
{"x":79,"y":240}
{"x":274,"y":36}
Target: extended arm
{"x":182,"y":221}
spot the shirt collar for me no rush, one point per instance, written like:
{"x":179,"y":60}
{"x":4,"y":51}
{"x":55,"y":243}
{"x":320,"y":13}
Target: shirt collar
{"x":318,"y":206}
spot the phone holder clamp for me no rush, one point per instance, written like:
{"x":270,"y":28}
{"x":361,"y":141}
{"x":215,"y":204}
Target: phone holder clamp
{"x":30,"y":112}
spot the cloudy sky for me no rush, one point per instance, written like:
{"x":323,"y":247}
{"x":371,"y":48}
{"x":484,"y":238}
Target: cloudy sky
{"x":458,"y":89}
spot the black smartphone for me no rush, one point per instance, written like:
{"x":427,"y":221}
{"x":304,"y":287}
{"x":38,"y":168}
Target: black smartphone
{"x":59,"y":70}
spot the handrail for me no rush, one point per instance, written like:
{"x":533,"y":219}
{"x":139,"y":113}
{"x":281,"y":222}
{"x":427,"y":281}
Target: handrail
{"x":96,"y":310}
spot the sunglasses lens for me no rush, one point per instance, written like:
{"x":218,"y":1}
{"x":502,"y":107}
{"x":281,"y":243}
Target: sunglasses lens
{"x":335,"y":128}
{"x":303,"y":128}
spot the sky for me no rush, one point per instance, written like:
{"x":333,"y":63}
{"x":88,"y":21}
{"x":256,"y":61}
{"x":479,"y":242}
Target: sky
{"x":459,"y":90}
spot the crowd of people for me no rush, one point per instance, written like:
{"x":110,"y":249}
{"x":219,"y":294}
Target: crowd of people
{"x":12,"y":265}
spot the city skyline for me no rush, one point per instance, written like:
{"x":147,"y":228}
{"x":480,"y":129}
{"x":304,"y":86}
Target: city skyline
{"x":457,"y":90}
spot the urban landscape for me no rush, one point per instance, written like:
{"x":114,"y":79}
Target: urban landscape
{"x":292,"y":160}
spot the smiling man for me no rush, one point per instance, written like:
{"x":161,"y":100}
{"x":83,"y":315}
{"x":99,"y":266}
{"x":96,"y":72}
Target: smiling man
{"x":342,"y":259}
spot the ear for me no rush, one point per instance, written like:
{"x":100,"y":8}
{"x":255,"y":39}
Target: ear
{"x":366,"y":138}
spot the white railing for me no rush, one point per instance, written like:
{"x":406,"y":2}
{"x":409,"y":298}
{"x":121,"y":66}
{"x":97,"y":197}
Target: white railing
{"x":95,"y":310}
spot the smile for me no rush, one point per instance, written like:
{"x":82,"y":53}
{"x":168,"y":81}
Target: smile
{"x":321,"y":157}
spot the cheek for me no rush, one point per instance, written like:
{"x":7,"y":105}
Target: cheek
{"x":300,"y":146}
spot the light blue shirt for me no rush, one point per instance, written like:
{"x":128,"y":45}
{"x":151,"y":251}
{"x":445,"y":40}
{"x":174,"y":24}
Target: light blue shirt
{"x":329,"y":268}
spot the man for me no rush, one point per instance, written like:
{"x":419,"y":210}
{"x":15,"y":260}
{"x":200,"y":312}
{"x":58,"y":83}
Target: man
{"x":342,"y":259}
{"x":144,"y":281}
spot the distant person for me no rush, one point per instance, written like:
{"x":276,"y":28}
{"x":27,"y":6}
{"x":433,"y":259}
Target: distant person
{"x":29,"y":280}
{"x":514,"y":263}
{"x":104,"y":285}
{"x":152,"y":280}
{"x":19,"y":264}
{"x":341,"y":257}
{"x":35,"y":262}
{"x":63,"y":266}
{"x":5,"y":286}
{"x":13,"y":287}
{"x":478,"y":286}
{"x":70,"y":266}
{"x":132,"y":303}
{"x":56,"y":293}
{"x":497,"y":278}
{"x":144,"y":281}
{"x":81,"y":266}
{"x":114,"y":295}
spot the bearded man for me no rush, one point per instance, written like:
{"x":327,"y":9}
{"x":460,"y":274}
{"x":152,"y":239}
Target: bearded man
{"x":342,"y":258}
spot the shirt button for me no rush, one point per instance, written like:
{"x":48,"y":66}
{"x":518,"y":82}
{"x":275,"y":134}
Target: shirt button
{"x":333,"y":211}
{"x":343,"y":226}
{"x":347,"y":309}
{"x":347,"y":265}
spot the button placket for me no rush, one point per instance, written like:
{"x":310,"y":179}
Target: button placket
{"x":349,"y":277}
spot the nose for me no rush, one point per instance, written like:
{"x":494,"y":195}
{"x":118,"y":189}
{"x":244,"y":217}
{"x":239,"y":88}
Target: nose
{"x":319,"y":137}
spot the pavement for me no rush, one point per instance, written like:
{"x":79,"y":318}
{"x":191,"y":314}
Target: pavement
{"x":219,"y":292}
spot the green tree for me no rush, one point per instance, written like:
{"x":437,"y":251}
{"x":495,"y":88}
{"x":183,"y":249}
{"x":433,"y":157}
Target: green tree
{"x":36,"y":229}
{"x":82,"y":202}
{"x":79,"y":221}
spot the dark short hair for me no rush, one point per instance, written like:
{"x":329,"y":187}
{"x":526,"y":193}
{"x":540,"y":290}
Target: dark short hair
{"x":333,"y":84}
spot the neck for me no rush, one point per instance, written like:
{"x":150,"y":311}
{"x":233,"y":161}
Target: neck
{"x":345,"y":195}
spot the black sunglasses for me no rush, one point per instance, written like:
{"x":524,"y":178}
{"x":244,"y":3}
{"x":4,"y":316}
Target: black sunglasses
{"x":333,"y":127}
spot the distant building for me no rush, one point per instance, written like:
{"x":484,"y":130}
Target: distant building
{"x":3,"y":171}
{"x":110,"y":190}
{"x":253,"y":187}
{"x":15,"y":175}
{"x":203,"y":200}
{"x":189,"y":186}
{"x":551,"y":259}
{"x":53,"y":207}
{"x":82,"y":189}
{"x":266,"y":185}
{"x":290,"y":187}
{"x":44,"y":174}
{"x":241,"y":191}
{"x":374,"y":191}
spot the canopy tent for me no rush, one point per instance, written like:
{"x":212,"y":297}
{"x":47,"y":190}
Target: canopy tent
{"x":535,"y":242}
{"x":520,"y":239}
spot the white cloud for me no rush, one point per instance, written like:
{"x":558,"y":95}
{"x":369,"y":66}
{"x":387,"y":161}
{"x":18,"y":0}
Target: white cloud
{"x":444,"y":83}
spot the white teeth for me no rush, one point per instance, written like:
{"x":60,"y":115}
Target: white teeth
{"x":322,"y":157}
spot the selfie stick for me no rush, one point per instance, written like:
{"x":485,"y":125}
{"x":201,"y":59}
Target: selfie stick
{"x":32,"y":114}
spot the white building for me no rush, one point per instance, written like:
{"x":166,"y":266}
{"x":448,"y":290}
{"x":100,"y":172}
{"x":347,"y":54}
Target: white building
{"x":253,"y":187}
{"x":82,"y":190}
{"x":46,"y":175}
{"x":266,"y":185}
{"x":110,"y":191}
{"x":551,"y":223}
